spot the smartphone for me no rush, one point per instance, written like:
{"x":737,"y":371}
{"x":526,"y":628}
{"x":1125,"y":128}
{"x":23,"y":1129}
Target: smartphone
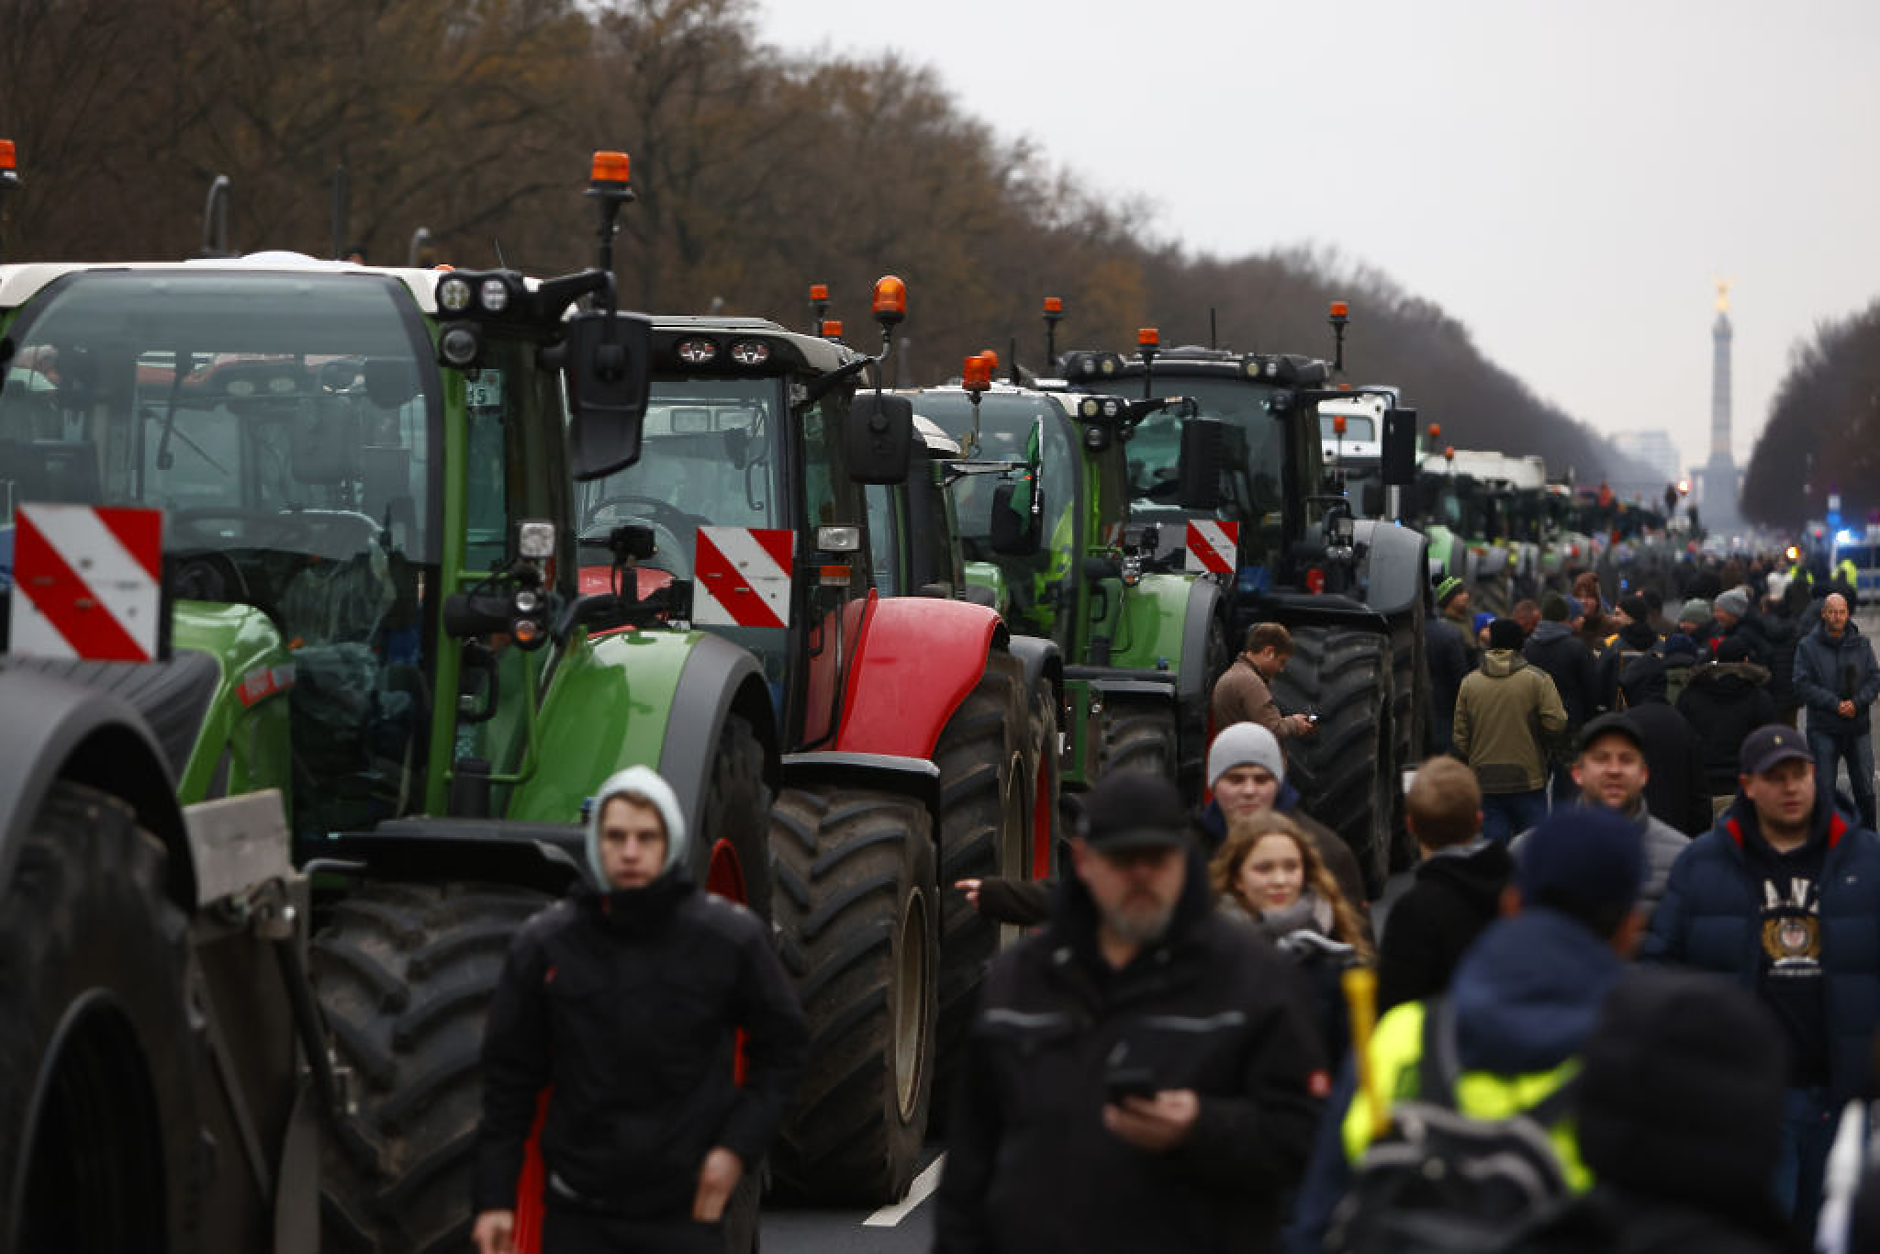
{"x":1128,"y":1082}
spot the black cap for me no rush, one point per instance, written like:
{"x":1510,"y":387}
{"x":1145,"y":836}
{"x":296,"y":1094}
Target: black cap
{"x":1134,"y":810}
{"x":1767,"y":746}
{"x":1611,"y":725}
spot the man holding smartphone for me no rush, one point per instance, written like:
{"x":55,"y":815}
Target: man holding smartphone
{"x":1244,"y":692}
{"x":1142,"y":1054}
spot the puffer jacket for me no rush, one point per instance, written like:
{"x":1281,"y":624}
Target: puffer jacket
{"x":1508,"y":718}
{"x":1724,"y":702}
{"x":1831,"y":669}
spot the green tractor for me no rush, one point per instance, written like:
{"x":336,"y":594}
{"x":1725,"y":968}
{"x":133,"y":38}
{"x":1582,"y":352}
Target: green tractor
{"x":909,"y":752}
{"x":370,"y":554}
{"x":1234,"y":482}
{"x":1043,"y":520}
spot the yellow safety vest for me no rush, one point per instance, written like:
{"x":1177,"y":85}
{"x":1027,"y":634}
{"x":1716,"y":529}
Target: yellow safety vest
{"x":1396,"y":1052}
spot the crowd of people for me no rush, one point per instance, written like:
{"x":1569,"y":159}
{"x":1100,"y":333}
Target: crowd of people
{"x":1627,"y":1000}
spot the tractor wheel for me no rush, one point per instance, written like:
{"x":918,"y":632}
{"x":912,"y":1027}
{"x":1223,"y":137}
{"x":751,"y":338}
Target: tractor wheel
{"x":1215,"y":661}
{"x":1139,"y":735}
{"x":984,"y":812}
{"x":405,"y":974}
{"x":99,"y":1145}
{"x":1344,"y":773}
{"x":859,"y":920}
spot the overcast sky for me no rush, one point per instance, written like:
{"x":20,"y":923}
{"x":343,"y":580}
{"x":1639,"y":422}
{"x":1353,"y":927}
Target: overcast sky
{"x":1565,"y":178}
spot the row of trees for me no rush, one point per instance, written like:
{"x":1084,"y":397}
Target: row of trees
{"x":757,"y":175}
{"x":1823,"y":433}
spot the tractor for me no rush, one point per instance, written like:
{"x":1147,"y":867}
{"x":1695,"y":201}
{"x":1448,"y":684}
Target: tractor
{"x":1244,"y":459}
{"x":908,"y":748}
{"x":1043,"y":518}
{"x":369,"y":545}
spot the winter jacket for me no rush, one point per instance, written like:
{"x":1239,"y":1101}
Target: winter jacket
{"x":1750,"y":630}
{"x":1303,"y":934}
{"x":628,"y":1004}
{"x":1508,"y":717}
{"x":1662,"y":843}
{"x":1526,"y":996}
{"x":1449,"y":663}
{"x":1633,"y":649}
{"x":1456,"y":893}
{"x":1241,"y":695}
{"x":1829,"y":670}
{"x":1785,"y":637}
{"x":1678,"y":791}
{"x":1211,"y":1007}
{"x":1710,"y":914}
{"x":1555,"y":649}
{"x":1464,"y":623}
{"x":1724,"y":702}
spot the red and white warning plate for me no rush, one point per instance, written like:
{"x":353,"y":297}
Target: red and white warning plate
{"x":1211,"y":546}
{"x":87,"y":582}
{"x":742,"y":577}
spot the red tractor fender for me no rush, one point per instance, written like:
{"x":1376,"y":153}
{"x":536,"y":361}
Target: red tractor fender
{"x":916,"y":660}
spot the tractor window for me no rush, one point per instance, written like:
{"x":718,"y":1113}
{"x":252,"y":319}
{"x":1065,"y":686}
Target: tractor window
{"x":885,"y":525}
{"x":1012,"y":428}
{"x":516,"y":467}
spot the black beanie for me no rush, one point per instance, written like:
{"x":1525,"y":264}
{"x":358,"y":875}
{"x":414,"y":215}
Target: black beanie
{"x":1505,"y":633}
{"x":1554,"y":608}
{"x":1682,"y":1091}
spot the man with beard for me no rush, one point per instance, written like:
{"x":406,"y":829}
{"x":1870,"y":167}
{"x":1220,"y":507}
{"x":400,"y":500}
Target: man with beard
{"x":1143,"y":1073}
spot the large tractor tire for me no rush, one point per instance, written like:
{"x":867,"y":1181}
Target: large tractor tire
{"x":1139,"y":735}
{"x":405,"y":974}
{"x":983,"y":827}
{"x":1344,"y":773}
{"x":99,"y":1130}
{"x":859,"y":916}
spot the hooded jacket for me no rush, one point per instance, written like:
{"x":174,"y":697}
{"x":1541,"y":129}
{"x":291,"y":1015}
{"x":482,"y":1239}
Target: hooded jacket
{"x":628,"y":1003}
{"x":1507,"y":718}
{"x":1661,"y":842}
{"x":1455,"y":895}
{"x":1710,"y":913}
{"x":1829,"y":670}
{"x":1724,"y":702}
{"x":1211,"y":1007}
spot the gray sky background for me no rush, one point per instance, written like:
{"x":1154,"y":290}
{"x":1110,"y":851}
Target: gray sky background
{"x":1564,"y":178}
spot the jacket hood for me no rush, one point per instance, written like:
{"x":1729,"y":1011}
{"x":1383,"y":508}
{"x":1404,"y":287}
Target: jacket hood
{"x":1547,"y":631}
{"x":1476,"y":872}
{"x":1528,"y":992}
{"x":1729,"y":676}
{"x":1501,"y":663}
{"x":647,"y":783}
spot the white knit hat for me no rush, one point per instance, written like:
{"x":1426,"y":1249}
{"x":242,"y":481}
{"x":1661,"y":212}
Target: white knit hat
{"x":645,"y":782}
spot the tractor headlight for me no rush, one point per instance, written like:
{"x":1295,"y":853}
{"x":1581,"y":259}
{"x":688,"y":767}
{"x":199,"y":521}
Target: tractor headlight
{"x":494,"y":294}
{"x":453,"y":293}
{"x":459,"y":344}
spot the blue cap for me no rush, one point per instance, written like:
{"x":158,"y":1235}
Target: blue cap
{"x":1482,"y":620}
{"x":1770,"y":745}
{"x":1585,"y":856}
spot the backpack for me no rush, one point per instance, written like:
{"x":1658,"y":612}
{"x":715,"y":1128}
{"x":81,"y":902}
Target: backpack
{"x":1440,"y":1180}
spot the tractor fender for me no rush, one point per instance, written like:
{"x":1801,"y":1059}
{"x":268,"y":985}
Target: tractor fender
{"x":1395,"y":564}
{"x":80,"y":733}
{"x":1042,"y":660}
{"x":914,"y":662}
{"x":915,"y":777}
{"x":1205,"y":611}
{"x":648,"y":698}
{"x":1161,"y":690}
{"x":718,"y":679}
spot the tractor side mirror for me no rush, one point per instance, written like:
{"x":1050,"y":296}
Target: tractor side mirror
{"x":1014,"y":531}
{"x":1203,"y":451}
{"x":1400,"y":447}
{"x":879,"y":438}
{"x":608,"y":370}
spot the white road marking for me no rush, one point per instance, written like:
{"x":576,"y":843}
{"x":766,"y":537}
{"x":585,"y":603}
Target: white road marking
{"x":919,"y":1191}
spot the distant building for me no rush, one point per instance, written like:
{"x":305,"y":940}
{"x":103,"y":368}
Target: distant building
{"x":1654,"y":450}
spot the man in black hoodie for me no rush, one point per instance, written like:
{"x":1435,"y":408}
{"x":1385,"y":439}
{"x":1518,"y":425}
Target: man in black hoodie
{"x":1458,"y":885}
{"x":624,"y":1000}
{"x":1143,"y":1073}
{"x":1725,"y":701}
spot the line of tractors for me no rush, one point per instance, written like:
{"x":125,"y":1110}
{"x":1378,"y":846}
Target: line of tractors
{"x":442,"y":549}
